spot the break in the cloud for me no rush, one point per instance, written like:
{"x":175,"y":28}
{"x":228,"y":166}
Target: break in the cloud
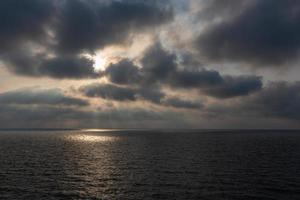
{"x":170,"y":63}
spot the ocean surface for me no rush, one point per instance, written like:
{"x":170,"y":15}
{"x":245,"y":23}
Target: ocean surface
{"x":150,"y":164}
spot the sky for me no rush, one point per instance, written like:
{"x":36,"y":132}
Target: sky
{"x":149,"y":64}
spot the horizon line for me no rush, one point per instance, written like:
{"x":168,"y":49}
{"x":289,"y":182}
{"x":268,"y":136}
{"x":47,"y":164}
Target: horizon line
{"x":147,"y":129}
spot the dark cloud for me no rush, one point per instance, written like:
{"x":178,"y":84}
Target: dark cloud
{"x":21,"y":21}
{"x":179,"y":103}
{"x":235,"y":86}
{"x":59,"y":67}
{"x":153,"y":95}
{"x":213,"y":9}
{"x":47,"y":38}
{"x":264,"y":33}
{"x":160,"y":67}
{"x":110,"y":92}
{"x":118,"y":93}
{"x":51,"y":97}
{"x":196,"y":78}
{"x":22,"y":62}
{"x":279,"y":99}
{"x":277,"y":102}
{"x":89,"y":25}
{"x":68,"y":67}
{"x":158,"y":63}
{"x":123,"y":72}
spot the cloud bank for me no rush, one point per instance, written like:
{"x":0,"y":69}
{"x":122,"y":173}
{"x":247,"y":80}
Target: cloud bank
{"x":176,"y":63}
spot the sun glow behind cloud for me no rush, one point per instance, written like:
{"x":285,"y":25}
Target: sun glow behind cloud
{"x":100,"y":62}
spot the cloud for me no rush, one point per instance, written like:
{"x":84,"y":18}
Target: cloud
{"x":279,"y":99}
{"x":158,"y":63}
{"x":123,"y":72}
{"x":47,"y":38}
{"x":235,"y":86}
{"x":68,"y":67}
{"x":179,"y":103}
{"x":211,"y":10}
{"x":121,"y":94}
{"x":30,"y":96}
{"x":43,"y":116}
{"x":89,"y":25}
{"x":260,"y":33}
{"x":152,"y":94}
{"x":108,"y":91}
{"x":22,"y":21}
{"x":58,"y":67}
{"x":195,"y":78}
{"x":161,"y":67}
{"x":277,"y":103}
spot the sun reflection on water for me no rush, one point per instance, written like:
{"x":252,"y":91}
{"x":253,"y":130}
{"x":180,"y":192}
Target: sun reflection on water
{"x":99,"y":130}
{"x":91,"y":138}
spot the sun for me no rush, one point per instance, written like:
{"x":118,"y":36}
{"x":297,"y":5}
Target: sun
{"x":99,"y":63}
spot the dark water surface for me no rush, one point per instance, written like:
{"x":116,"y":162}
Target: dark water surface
{"x":150,"y":165}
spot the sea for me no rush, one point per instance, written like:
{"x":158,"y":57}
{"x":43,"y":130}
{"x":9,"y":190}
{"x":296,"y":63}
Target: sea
{"x":150,"y":164}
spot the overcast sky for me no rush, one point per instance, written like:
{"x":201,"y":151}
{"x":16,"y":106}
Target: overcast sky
{"x":149,"y":64}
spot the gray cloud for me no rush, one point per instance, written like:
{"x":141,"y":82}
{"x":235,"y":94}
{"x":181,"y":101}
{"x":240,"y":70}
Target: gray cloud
{"x":59,"y":67}
{"x":279,"y":99}
{"x":235,"y":86}
{"x":179,"y":103}
{"x":68,"y":67}
{"x":46,"y":38}
{"x":158,"y":63}
{"x":153,"y":95}
{"x":123,"y":72}
{"x":160,"y":67}
{"x":261,"y":33}
{"x":21,"y":21}
{"x":108,"y":91}
{"x":196,"y":78}
{"x":30,"y":96}
{"x":43,"y":116}
{"x":213,"y":9}
{"x":88,"y":25}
